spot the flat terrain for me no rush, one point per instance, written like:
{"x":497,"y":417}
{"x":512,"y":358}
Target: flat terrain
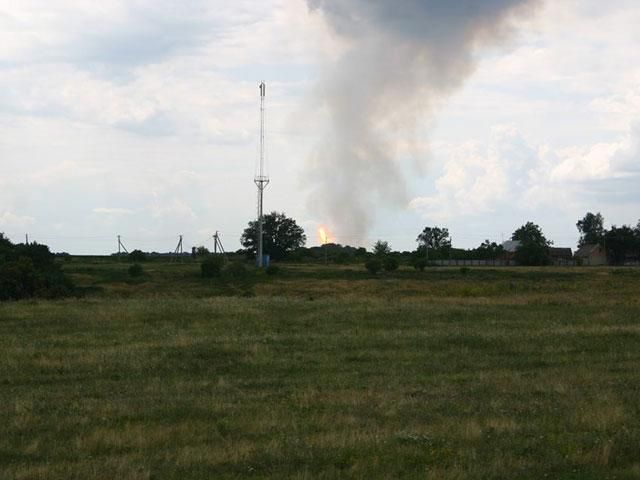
{"x":324,"y":372}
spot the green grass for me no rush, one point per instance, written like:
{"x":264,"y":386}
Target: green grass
{"x":324,"y":373}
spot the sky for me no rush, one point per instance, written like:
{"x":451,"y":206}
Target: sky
{"x":140,"y":118}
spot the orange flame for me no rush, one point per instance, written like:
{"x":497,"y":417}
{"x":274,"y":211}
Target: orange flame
{"x":324,"y":235}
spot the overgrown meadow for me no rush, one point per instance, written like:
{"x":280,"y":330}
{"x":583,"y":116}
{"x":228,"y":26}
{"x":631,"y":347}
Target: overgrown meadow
{"x":324,"y":372}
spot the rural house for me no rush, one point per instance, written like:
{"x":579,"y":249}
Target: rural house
{"x":591,"y":255}
{"x":560,"y":256}
{"x":510,"y":247}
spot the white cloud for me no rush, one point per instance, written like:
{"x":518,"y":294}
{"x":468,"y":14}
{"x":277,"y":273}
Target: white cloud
{"x":582,"y":163}
{"x":116,"y":65}
{"x":10,"y":220}
{"x":478,"y":180}
{"x":512,"y":177}
{"x":112,"y":211}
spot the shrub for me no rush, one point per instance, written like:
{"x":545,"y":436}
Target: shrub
{"x":390,"y":264}
{"x":30,"y":271}
{"x":135,"y":270}
{"x":272,"y":269}
{"x":138,"y":256}
{"x":420,"y":264}
{"x":235,"y":269}
{"x":464,"y":270}
{"x":373,"y":265}
{"x":212,"y":266}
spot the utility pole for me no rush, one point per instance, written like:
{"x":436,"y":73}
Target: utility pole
{"x":217,"y":243}
{"x":178,"y":250}
{"x":121,"y":247}
{"x":26,"y":239}
{"x":261,"y":179}
{"x":326,"y":258}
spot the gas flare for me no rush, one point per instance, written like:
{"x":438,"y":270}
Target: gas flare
{"x":324,"y":235}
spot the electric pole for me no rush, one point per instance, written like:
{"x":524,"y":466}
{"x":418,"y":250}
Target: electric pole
{"x":217,"y":244}
{"x":178,"y":250}
{"x":121,"y":247}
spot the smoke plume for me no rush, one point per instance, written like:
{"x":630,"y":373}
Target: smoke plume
{"x":400,"y":58}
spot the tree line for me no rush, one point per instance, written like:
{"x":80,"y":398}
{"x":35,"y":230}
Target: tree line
{"x":30,"y":270}
{"x":285,"y":239}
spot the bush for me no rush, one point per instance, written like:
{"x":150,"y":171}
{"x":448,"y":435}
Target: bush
{"x":464,"y":270}
{"x":212,"y":266}
{"x":272,"y":269}
{"x":390,"y":264}
{"x":135,"y":270}
{"x":420,"y":264}
{"x":138,"y":256}
{"x":373,"y":265}
{"x":30,"y":271}
{"x":236,"y":269}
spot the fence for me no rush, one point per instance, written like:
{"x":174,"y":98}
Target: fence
{"x":511,"y":263}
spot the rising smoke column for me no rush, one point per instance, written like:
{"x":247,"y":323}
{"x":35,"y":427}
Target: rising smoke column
{"x":401,"y":57}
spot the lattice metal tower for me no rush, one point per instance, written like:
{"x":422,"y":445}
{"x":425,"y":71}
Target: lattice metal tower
{"x":261,"y":179}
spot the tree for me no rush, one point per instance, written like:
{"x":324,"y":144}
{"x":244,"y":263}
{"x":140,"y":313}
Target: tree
{"x":6,"y":245}
{"x":30,"y":271}
{"x":621,"y":241}
{"x":436,"y":240}
{"x":138,"y":256}
{"x":591,"y":229}
{"x":534,"y":247}
{"x":281,"y":235}
{"x":381,"y":248}
{"x":488,"y":251}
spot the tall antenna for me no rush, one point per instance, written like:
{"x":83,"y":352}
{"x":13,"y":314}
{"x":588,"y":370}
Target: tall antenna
{"x":261,"y":179}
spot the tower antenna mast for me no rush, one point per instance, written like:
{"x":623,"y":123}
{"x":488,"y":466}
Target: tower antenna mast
{"x":261,"y":179}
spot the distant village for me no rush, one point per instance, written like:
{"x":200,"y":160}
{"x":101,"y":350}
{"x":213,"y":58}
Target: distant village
{"x":528,"y":246}
{"x":597,"y":246}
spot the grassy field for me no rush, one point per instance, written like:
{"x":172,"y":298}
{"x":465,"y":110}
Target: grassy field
{"x":324,"y":372}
